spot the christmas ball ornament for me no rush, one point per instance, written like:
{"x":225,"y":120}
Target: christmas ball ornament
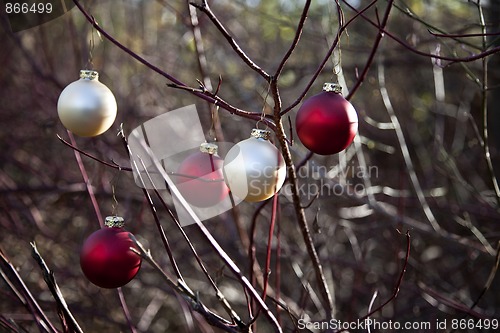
{"x":87,"y":107}
{"x":327,"y":123}
{"x":254,"y":168}
{"x":200,"y":179}
{"x":106,"y":258}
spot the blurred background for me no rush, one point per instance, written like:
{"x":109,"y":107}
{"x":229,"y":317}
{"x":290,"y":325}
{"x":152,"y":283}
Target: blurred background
{"x":417,"y":162}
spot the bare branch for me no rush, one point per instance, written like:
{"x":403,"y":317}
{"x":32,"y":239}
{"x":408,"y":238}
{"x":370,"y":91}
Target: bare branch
{"x":158,"y":70}
{"x":67,"y":317}
{"x":326,"y":58}
{"x":298,"y":33}
{"x":205,"y":8}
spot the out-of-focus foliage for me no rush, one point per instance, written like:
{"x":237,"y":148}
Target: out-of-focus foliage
{"x":358,"y":230}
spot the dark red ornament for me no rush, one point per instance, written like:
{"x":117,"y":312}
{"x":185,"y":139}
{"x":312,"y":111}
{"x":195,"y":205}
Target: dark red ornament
{"x":200,"y":179}
{"x":327,"y":123}
{"x":106,"y":258}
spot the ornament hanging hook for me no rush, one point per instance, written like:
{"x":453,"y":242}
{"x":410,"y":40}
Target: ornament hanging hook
{"x":90,"y":60}
{"x":263,"y":111}
{"x":337,"y":54}
{"x":114,"y":204}
{"x":214,"y":115}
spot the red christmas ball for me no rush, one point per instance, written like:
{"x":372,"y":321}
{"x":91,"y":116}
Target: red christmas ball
{"x":200,"y":179}
{"x":106,"y":258}
{"x":327,"y":122}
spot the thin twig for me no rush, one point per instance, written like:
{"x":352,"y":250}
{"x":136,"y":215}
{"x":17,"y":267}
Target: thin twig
{"x":405,"y":151}
{"x":111,"y":165}
{"x":211,"y":240}
{"x":67,"y":318}
{"x":267,"y":269}
{"x":299,"y":211}
{"x":86,"y":180}
{"x":182,"y":289}
{"x":407,"y":46}
{"x":223,"y":104}
{"x":484,"y":109}
{"x":25,"y":295}
{"x":126,"y":311}
{"x":397,"y":286}
{"x":298,"y":33}
{"x":220,"y":296}
{"x":462,"y":35}
{"x":374,"y":50}
{"x":152,"y":207}
{"x":325,"y":59}
{"x":217,"y":100}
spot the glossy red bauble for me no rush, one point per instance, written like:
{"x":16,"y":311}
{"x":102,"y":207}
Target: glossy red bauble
{"x":106,"y":258}
{"x":326,"y":123}
{"x":200,"y":179}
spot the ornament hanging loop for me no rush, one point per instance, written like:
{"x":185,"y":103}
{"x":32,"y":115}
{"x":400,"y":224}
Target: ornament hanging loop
{"x":214,"y":118}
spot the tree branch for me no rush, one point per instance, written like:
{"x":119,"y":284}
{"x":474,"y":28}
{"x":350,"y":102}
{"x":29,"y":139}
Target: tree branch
{"x":325,"y":59}
{"x":203,"y":95}
{"x":298,"y":33}
{"x":205,"y":8}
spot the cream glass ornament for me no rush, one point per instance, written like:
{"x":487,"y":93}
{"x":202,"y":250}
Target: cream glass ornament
{"x":254,"y":169}
{"x":87,"y":107}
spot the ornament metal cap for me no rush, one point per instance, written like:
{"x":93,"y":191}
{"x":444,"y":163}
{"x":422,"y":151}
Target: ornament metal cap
{"x":332,"y":87}
{"x":209,"y":148}
{"x":89,"y":74}
{"x":261,"y":133}
{"x":114,"y":222}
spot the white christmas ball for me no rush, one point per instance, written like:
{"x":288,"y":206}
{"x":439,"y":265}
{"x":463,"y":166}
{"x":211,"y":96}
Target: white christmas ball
{"x":254,"y":169}
{"x":87,"y":107}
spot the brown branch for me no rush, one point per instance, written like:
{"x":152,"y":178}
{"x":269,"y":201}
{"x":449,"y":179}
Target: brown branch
{"x":226,"y":106}
{"x":152,"y":207}
{"x":450,"y":303}
{"x":74,"y":147}
{"x":435,"y":34}
{"x":219,"y":101}
{"x":299,"y":211}
{"x":86,"y":180}
{"x":25,"y":295}
{"x":126,"y":311}
{"x":298,"y":33}
{"x":485,"y":111}
{"x":374,"y":50}
{"x":219,"y":294}
{"x":407,"y":46}
{"x":188,"y":295}
{"x":325,"y":59}
{"x":205,"y":8}
{"x":68,"y":320}
{"x":212,"y":241}
{"x":123,"y":168}
{"x":396,"y":287}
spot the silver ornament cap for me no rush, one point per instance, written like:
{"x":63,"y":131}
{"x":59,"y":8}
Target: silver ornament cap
{"x":209,"y":148}
{"x":260,"y":134}
{"x":114,"y":222}
{"x":88,"y":74}
{"x":332,"y":87}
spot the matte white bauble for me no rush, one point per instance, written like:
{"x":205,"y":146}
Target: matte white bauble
{"x":87,"y":107}
{"x":254,"y":169}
